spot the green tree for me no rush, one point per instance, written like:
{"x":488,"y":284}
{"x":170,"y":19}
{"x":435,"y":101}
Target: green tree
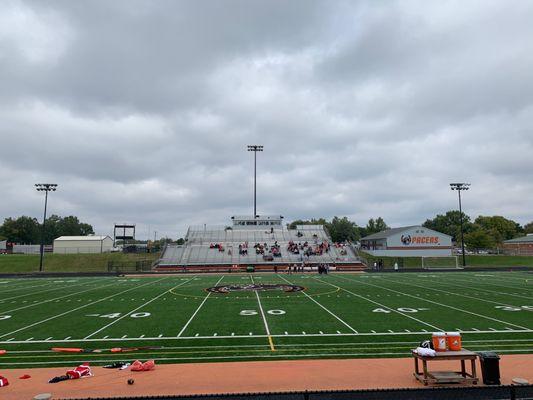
{"x":21,"y":230}
{"x":180,"y":241}
{"x":479,"y":239}
{"x":373,"y":226}
{"x":528,"y":228}
{"x":450,"y":224}
{"x":71,"y":226}
{"x":342,"y":229}
{"x":499,"y":228}
{"x":28,"y":230}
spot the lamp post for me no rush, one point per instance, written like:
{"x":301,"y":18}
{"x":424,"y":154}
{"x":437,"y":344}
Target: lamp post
{"x":44,"y":187}
{"x":459,"y":187}
{"x":255,"y":148}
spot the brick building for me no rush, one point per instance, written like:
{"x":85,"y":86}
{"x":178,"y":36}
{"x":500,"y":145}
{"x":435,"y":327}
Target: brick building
{"x":522,"y":246}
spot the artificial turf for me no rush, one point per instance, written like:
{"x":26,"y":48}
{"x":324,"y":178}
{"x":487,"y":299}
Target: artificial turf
{"x":336,"y":316}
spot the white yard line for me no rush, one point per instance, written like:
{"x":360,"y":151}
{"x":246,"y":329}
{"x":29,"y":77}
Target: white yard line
{"x":436,"y":303}
{"x":23,"y":287}
{"x":453,"y":282}
{"x":382,"y":305}
{"x":445,"y":291}
{"x":267,"y":329}
{"x":198,"y":309}
{"x":55,"y":299}
{"x":324,"y":308}
{"x":77,"y":308}
{"x":136,"y":309}
{"x":261,"y":309}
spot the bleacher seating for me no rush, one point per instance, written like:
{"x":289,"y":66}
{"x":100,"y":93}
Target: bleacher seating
{"x":201,"y":249}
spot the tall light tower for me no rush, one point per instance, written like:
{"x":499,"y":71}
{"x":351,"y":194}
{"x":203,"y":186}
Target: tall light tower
{"x":44,"y":187}
{"x":255,"y":148}
{"x":459,"y":187}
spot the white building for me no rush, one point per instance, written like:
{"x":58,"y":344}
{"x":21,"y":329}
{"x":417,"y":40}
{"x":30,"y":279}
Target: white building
{"x":82,"y":244}
{"x":408,"y":241}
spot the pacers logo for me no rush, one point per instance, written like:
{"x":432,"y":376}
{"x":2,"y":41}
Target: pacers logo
{"x":406,"y":239}
{"x":253,"y":288}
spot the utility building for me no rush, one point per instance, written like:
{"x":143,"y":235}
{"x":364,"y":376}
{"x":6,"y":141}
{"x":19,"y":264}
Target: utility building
{"x":408,"y":241}
{"x":82,"y":244}
{"x":522,"y":246}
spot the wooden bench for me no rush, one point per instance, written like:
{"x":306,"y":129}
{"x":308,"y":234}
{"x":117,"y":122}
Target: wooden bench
{"x":462,"y":376}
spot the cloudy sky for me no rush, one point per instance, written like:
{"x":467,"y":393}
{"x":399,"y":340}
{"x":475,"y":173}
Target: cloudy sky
{"x":141,"y":110}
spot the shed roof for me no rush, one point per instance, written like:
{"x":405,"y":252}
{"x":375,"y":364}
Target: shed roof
{"x":92,"y":238}
{"x":523,"y":239}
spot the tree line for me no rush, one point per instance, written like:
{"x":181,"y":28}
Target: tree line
{"x":485,"y":232}
{"x":27,"y":230}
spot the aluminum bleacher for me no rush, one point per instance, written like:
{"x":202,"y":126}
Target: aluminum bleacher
{"x":217,"y":248}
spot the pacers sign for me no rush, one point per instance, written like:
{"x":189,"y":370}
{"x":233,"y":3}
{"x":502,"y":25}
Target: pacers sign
{"x":417,"y":240}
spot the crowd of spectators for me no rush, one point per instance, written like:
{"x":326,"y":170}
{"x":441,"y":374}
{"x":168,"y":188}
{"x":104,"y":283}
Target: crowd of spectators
{"x":243,"y":249}
{"x":217,"y":246}
{"x":309,"y":250}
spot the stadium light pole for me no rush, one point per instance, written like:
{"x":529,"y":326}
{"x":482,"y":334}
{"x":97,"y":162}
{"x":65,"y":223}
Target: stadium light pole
{"x":460,"y":187}
{"x":255,"y":148}
{"x":44,"y":187}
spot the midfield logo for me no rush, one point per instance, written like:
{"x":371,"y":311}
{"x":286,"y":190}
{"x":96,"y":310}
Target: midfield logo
{"x":255,"y":287}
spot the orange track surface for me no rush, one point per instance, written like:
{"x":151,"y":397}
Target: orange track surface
{"x":239,"y":377}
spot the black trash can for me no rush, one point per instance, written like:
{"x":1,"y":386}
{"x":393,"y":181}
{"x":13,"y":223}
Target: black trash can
{"x":250,"y":268}
{"x":490,"y":367}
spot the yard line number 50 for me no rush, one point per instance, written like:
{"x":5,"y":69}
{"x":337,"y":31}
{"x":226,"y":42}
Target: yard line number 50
{"x":255,"y":312}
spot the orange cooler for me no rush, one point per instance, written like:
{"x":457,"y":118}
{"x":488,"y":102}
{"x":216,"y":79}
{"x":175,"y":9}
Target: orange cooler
{"x":439,"y":341}
{"x":453,"y":339}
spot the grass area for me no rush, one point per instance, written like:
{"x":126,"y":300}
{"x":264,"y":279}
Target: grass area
{"x":24,"y":263}
{"x":335,"y":316}
{"x":471,"y":261}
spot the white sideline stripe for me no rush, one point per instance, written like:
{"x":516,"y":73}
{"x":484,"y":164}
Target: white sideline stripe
{"x":445,"y":291}
{"x":439,"y":304}
{"x":77,"y":308}
{"x":135,"y":309}
{"x":198,"y":309}
{"x":270,"y":355}
{"x":499,"y":342}
{"x":157,"y":338}
{"x":260,"y":309}
{"x":57,"y":298}
{"x":383,"y":306}
{"x":324,"y":308}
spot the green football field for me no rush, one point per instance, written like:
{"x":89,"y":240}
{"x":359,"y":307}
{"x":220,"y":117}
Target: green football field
{"x":334,"y":316}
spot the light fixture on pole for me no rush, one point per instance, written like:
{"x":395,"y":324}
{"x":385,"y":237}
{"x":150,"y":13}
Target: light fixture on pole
{"x":459,"y":187}
{"x":255,"y":148}
{"x":44,"y":187}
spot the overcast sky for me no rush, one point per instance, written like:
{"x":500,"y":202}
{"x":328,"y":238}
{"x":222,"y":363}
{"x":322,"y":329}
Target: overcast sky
{"x":141,"y":110}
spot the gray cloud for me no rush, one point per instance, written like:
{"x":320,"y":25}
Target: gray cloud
{"x":142,"y":110}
